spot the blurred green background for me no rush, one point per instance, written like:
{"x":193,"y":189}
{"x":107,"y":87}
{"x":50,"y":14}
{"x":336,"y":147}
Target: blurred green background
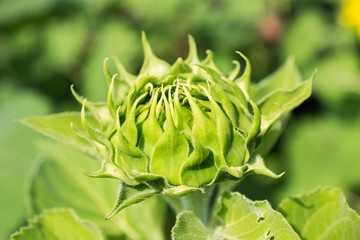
{"x":47,"y":45}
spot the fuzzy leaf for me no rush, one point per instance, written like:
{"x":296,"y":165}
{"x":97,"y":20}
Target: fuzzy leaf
{"x":58,"y":224}
{"x":241,"y":219}
{"x":322,"y":214}
{"x":244,"y":219}
{"x":189,"y":227}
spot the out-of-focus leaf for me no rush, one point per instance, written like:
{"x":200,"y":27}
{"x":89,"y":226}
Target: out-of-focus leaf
{"x":15,"y":10}
{"x":114,"y":38}
{"x":165,"y":9}
{"x":240,"y":218}
{"x":17,"y":151}
{"x":60,"y":224}
{"x":306,"y":36}
{"x":64,"y":42}
{"x":338,"y":76}
{"x":58,"y":182}
{"x":327,"y":143}
{"x":322,"y":214}
{"x":16,"y":44}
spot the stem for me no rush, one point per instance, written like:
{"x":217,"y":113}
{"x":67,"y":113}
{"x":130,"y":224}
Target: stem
{"x":203,"y":205}
{"x":198,"y":203}
{"x":175,"y":203}
{"x":222,"y":188}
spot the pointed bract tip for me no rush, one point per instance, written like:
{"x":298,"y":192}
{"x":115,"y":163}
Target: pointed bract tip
{"x":192,"y":57}
{"x":314,"y":74}
{"x":146,"y":44}
{"x":209,"y":52}
{"x":192,"y":43}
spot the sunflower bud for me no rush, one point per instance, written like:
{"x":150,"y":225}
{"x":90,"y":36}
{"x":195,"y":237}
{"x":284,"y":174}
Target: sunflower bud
{"x":175,"y":129}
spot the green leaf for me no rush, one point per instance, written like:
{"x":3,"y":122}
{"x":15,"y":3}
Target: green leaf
{"x":113,"y":38}
{"x":61,"y":127}
{"x":189,"y":227}
{"x":63,"y":43}
{"x":308,"y":23}
{"x":60,"y":224}
{"x":245,"y":219}
{"x":240,"y":218}
{"x":340,"y":65}
{"x":322,"y":214}
{"x":17,"y":151}
{"x":331,"y":143}
{"x":58,"y":182}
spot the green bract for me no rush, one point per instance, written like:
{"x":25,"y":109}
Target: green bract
{"x":175,"y":129}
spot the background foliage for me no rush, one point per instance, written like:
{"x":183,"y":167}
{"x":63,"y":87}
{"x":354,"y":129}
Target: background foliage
{"x":45,"y":46}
